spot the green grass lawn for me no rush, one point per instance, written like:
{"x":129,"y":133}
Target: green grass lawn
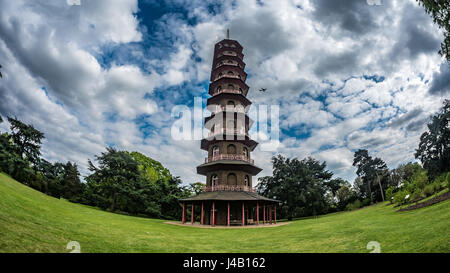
{"x":34,"y":222}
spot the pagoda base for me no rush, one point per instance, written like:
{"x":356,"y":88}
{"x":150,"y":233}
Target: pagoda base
{"x":229,"y":209}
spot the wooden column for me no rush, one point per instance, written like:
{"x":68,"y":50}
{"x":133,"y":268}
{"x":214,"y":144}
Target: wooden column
{"x":257,"y":212}
{"x":192,"y":214}
{"x":270,"y":214}
{"x":275,"y":208}
{"x":183,"y":218}
{"x":243,"y":214}
{"x":264,"y":213}
{"x":213,"y":222}
{"x":201,"y":215}
{"x":228,"y":215}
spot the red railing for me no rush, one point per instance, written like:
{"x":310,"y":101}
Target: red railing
{"x":228,"y":188}
{"x":229,"y":157}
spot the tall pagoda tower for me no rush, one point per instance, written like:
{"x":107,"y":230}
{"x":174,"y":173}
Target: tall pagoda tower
{"x":229,"y":197}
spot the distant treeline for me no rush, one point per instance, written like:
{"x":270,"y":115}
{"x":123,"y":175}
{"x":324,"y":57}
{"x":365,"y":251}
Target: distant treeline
{"x":132,"y":183}
{"x":128,"y":182}
{"x":306,"y":187}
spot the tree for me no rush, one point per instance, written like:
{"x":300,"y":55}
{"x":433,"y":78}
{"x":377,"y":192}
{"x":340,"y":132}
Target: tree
{"x":298,"y":184}
{"x":53,"y":175}
{"x":196,"y":188}
{"x":345,"y":195}
{"x":71,"y":186}
{"x":440,"y":11}
{"x":370,"y":170}
{"x":113,"y":180}
{"x":27,"y":140}
{"x":133,"y":183}
{"x":150,"y":168}
{"x":434,"y":145}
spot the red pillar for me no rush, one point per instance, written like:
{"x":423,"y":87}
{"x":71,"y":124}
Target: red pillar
{"x":257,"y":212}
{"x":270,"y":214}
{"x":192,"y":214}
{"x":264,"y":213}
{"x":275,"y":208}
{"x":228,"y":215}
{"x":201,"y":215}
{"x":184,"y":213}
{"x":243,"y":214}
{"x":213,"y":216}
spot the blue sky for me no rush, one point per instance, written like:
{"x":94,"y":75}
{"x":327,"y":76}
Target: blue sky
{"x":345,"y":74}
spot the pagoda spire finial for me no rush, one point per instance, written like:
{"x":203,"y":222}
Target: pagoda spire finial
{"x":228,"y":33}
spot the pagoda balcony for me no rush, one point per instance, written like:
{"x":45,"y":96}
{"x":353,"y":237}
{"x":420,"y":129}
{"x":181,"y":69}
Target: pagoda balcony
{"x":229,"y":52}
{"x":229,"y":108}
{"x":229,"y":64}
{"x":227,"y":188}
{"x":229,"y":157}
{"x":228,"y":132}
{"x":229,"y":77}
{"x":227,"y":90}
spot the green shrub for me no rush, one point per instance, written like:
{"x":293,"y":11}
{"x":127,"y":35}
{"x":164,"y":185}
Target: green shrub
{"x":390,"y":194}
{"x":429,"y":190}
{"x":401,"y":197}
{"x":365,"y":202}
{"x":417,"y":195}
{"x":355,"y":205}
{"x":419,"y":179}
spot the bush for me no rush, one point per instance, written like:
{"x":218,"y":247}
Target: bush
{"x":417,"y":195}
{"x":355,"y":205}
{"x":419,"y":179}
{"x":366,"y":202}
{"x":390,"y":193}
{"x":429,"y":190}
{"x":402,"y":197}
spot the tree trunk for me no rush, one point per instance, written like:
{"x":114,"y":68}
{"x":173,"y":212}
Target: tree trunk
{"x":113,"y":202}
{"x":381,"y":188}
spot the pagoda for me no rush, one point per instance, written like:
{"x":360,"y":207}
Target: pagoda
{"x":229,"y":197}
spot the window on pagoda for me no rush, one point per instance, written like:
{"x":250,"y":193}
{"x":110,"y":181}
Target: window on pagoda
{"x":215,"y":151}
{"x":245,"y":152}
{"x":230,"y":86}
{"x":231,"y":149}
{"x":247,"y":181}
{"x":214,"y":180}
{"x":232,"y":180}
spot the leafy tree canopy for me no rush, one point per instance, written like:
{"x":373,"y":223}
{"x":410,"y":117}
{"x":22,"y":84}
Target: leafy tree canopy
{"x":440,"y":11}
{"x":434,"y":146}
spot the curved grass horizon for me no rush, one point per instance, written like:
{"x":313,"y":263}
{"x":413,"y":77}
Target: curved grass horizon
{"x":31,"y":221}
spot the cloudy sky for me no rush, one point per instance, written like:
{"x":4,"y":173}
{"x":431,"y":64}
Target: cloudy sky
{"x":345,"y":74}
